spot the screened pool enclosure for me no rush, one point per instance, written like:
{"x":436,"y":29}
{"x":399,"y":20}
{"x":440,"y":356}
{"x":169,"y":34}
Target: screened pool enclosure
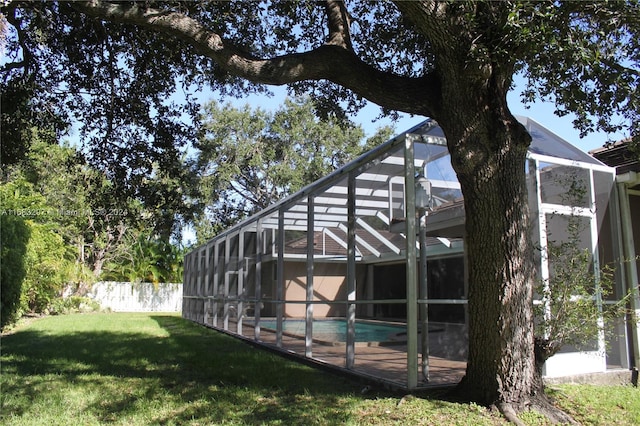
{"x":345,"y":273}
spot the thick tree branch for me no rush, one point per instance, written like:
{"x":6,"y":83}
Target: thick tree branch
{"x":27,"y":61}
{"x":432,"y":19}
{"x":339,"y":21}
{"x":331,"y":62}
{"x":458,"y":44}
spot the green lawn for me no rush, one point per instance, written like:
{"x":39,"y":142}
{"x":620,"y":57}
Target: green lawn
{"x":139,"y":369}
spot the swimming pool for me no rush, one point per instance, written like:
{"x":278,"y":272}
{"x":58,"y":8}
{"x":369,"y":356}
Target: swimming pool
{"x":335,"y":330}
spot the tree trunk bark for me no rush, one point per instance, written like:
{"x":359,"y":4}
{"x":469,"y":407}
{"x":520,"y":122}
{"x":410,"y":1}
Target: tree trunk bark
{"x":501,"y":362}
{"x":489,"y":154}
{"x":488,"y":148}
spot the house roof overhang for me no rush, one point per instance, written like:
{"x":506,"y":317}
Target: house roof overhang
{"x":625,"y":158}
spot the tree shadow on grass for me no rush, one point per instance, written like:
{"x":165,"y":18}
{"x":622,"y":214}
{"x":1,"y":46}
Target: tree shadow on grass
{"x":186,"y":374}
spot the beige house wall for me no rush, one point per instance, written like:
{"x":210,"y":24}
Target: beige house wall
{"x":329,"y":284}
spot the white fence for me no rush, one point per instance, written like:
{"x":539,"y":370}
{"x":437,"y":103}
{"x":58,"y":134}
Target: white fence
{"x":138,"y":297}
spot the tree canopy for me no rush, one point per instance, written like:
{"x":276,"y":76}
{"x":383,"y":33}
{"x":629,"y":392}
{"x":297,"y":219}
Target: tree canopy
{"x":120,"y":80}
{"x":129,"y":126}
{"x":250,"y":158}
{"x":115,"y":67}
{"x":64,"y":227}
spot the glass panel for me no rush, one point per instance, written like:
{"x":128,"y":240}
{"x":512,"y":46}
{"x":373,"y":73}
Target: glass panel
{"x":295,"y":241}
{"x":604,"y":185}
{"x":572,"y":232}
{"x":188,"y":271}
{"x":445,"y":278}
{"x":293,"y":327}
{"x":390,"y":290}
{"x":617,"y":349}
{"x":436,"y":166}
{"x":532,"y":193}
{"x":448,"y":340}
{"x":219,"y":310}
{"x":202,"y":270}
{"x":268,"y":305}
{"x":270,"y":235}
{"x":249,"y":292}
{"x":534,"y":211}
{"x":330,"y":222}
{"x":396,"y":201}
{"x":609,"y":251}
{"x":329,"y":285}
{"x":295,"y":285}
{"x":545,"y":142}
{"x":565,"y":185}
{"x":380,"y":190}
{"x":220,"y":269}
{"x":572,"y":282}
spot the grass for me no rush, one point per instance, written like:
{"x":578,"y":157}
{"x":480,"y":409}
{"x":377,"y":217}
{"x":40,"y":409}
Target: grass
{"x":155,"y":369}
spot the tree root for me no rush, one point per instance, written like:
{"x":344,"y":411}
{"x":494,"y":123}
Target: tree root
{"x":539,"y":404}
{"x":542,"y":405}
{"x":509,"y":413}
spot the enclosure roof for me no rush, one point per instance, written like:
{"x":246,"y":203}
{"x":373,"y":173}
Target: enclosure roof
{"x":379,"y":191}
{"x":545,"y":142}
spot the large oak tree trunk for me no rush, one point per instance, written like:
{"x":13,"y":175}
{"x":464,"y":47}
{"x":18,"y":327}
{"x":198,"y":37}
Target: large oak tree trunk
{"x":489,"y":153}
{"x":501,"y":362}
{"x":502,"y":368}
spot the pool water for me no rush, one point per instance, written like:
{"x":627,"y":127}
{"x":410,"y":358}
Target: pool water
{"x":336,"y":330}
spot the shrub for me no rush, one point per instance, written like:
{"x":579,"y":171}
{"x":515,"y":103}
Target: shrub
{"x":15,"y":237}
{"x":46,"y":268}
{"x":73,"y":304}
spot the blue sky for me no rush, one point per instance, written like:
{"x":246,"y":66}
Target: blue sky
{"x":541,"y":112}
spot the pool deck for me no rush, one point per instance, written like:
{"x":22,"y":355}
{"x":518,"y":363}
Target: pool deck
{"x":385,"y":364}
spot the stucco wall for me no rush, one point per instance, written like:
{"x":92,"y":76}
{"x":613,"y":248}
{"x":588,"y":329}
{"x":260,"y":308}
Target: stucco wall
{"x":329,"y":284}
{"x":138,"y":297}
